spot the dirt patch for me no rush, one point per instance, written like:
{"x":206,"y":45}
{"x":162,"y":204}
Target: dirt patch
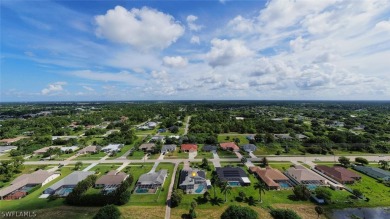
{"x":143,"y":212}
{"x":306,"y":211}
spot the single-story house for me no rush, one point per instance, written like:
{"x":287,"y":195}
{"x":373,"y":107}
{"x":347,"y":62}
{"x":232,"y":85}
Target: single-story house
{"x":235,"y":176}
{"x":189,"y":147}
{"x":157,"y":138}
{"x":249,"y":147}
{"x":9,"y":141}
{"x":229,"y":146}
{"x":23,"y":184}
{"x":43,"y":150}
{"x":193,"y":181}
{"x":374,"y":172}
{"x":111,"y":180}
{"x":147,"y":147}
{"x":151,"y":125}
{"x":4,"y":149}
{"x":209,"y":148}
{"x":150,"y":182}
{"x":69,"y":149}
{"x":340,"y":174}
{"x":63,"y":137}
{"x":168,"y":148}
{"x":304,"y":176}
{"x":89,"y":150}
{"x":65,"y":186}
{"x":250,"y":137}
{"x":112,"y":148}
{"x":273,"y":178}
{"x":301,"y":137}
{"x":283,"y":137}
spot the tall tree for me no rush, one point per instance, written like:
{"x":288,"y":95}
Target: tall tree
{"x":344,"y":161}
{"x":319,"y":210}
{"x":383,"y":164}
{"x":261,"y":187}
{"x":225,"y":189}
{"x":264,"y":161}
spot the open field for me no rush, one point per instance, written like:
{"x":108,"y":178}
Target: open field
{"x":229,"y":137}
{"x":177,"y":154}
{"x":97,"y":156}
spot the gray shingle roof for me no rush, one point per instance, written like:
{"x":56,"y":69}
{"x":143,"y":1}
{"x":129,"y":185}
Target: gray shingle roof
{"x":153,"y":178}
{"x":71,"y":179}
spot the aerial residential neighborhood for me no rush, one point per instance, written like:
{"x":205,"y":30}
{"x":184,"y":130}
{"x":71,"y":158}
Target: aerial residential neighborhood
{"x":195,"y":109}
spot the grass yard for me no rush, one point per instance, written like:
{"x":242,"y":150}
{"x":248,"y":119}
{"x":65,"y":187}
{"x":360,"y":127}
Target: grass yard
{"x":102,"y":169}
{"x":97,"y":156}
{"x":160,"y":197}
{"x":231,"y":137}
{"x":66,"y":212}
{"x":143,"y":212}
{"x":226,"y":154}
{"x":203,"y":154}
{"x":123,"y":151}
{"x":136,"y":155}
{"x":31,"y":201}
{"x":177,"y":154}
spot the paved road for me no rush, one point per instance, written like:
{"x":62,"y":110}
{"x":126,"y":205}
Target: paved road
{"x":187,"y":125}
{"x":373,"y":158}
{"x":168,"y":204}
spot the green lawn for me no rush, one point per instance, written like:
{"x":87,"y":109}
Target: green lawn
{"x":102,"y":169}
{"x":231,"y":137}
{"x":136,"y":155}
{"x":226,"y":154}
{"x":31,"y":201}
{"x":176,"y":155}
{"x":160,"y":197}
{"x":203,"y":154}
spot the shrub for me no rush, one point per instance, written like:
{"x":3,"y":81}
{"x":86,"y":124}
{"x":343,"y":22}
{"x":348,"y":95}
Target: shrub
{"x":108,"y":211}
{"x":235,"y":211}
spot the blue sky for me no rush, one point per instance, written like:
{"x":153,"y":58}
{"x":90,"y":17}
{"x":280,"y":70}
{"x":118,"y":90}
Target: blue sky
{"x":167,"y":50}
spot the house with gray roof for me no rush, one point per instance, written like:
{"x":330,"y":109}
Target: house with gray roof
{"x":21,"y":185}
{"x":112,"y":148}
{"x":147,"y":147}
{"x":89,"y":150}
{"x":150,"y":182}
{"x":283,"y":137}
{"x":168,"y":148}
{"x":249,"y":148}
{"x":209,"y":148}
{"x":193,"y":181}
{"x":65,"y":186}
{"x":4,"y":149}
{"x":157,"y":138}
{"x":374,"y":172}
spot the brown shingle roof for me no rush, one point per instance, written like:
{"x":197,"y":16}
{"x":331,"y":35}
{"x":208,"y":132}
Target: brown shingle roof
{"x":112,"y":178}
{"x":269,"y":175}
{"x":229,"y":145}
{"x":340,"y":174}
{"x":189,"y":147}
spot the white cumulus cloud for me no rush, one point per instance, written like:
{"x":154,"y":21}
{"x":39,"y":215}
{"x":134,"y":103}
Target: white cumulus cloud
{"x":143,"y":28}
{"x":224,"y":52}
{"x":175,"y":61}
{"x":191,"y":23}
{"x":54,"y":87}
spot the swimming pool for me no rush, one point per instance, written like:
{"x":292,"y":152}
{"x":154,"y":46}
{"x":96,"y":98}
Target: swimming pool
{"x":199,"y":189}
{"x":311,"y":186}
{"x":234,"y":183}
{"x":284,"y":185}
{"x":64,"y":191}
{"x":140,"y":190}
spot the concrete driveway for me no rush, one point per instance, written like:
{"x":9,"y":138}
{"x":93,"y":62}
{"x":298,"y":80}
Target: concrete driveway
{"x":192,"y":155}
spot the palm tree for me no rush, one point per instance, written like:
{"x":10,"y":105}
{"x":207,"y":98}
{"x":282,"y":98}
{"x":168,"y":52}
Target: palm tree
{"x":261,"y":187}
{"x":384,"y":164}
{"x":226,"y":189}
{"x":215,"y":182}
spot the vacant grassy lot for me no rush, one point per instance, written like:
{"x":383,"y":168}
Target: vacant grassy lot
{"x":102,"y":169}
{"x":67,"y":212}
{"x":136,"y":155}
{"x":177,"y":154}
{"x":232,"y":136}
{"x":143,"y":212}
{"x":226,"y":154}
